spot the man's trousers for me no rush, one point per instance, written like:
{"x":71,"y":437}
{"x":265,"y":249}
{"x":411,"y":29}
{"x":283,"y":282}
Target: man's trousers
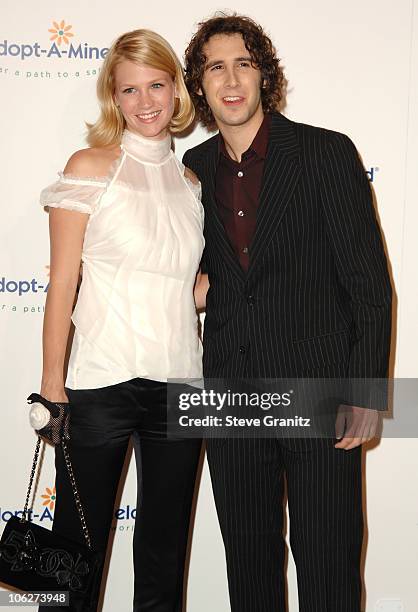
{"x":326,"y":523}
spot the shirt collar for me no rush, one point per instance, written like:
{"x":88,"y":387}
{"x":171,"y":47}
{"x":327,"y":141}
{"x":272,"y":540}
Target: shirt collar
{"x":259,"y":144}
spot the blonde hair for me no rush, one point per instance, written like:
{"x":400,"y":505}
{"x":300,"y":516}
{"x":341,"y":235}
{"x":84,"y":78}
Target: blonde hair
{"x":142,"y":47}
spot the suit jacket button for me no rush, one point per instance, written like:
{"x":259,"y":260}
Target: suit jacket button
{"x":242,"y":350}
{"x":250,"y":300}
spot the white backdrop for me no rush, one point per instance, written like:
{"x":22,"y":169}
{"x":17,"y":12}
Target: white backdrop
{"x":351,"y":67}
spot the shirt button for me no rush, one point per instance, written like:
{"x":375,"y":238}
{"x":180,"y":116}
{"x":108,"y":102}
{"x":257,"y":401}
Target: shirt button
{"x":240,"y":174}
{"x":245,"y":250}
{"x":242,"y":350}
{"x":241,"y":213}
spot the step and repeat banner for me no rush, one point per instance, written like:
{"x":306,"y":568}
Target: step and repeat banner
{"x":351,"y":67}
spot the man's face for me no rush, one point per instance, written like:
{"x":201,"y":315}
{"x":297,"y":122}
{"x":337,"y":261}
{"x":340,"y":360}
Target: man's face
{"x":230,"y":83}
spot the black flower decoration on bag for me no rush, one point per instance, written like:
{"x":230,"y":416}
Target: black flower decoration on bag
{"x":27,"y":554}
{"x":74,"y":570}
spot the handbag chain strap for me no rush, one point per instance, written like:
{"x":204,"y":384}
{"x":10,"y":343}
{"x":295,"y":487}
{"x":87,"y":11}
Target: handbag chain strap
{"x":73,"y":485}
{"x":32,"y":476}
{"x":76,"y":494}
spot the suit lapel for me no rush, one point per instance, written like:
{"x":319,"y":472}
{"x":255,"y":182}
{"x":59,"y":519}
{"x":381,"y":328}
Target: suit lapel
{"x":213,"y":221}
{"x":281,"y":173}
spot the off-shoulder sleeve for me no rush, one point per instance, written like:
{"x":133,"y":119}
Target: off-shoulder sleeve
{"x":195,"y":188}
{"x":74,"y":193}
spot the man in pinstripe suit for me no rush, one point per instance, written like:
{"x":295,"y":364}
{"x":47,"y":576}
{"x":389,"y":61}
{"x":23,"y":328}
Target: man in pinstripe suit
{"x":299,"y":287}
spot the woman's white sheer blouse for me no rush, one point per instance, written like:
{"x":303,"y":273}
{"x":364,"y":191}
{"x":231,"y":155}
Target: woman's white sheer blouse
{"x":135,"y":313}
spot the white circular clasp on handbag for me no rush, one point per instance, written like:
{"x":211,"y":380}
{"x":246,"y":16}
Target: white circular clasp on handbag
{"x":38,"y":415}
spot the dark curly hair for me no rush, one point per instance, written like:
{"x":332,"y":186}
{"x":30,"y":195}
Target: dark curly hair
{"x":260,"y":48}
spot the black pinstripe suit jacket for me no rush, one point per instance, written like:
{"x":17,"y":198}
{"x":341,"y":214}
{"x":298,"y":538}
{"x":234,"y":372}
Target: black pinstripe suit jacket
{"x":317,"y":292}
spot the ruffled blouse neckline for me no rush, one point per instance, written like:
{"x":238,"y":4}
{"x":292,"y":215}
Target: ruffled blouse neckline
{"x":146,"y":149}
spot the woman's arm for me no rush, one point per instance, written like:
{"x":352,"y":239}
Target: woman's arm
{"x":66,"y":230}
{"x":200,"y":290}
{"x":202,"y":283}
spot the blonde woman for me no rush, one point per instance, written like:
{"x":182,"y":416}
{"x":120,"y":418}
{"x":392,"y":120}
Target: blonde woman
{"x":130,"y":212}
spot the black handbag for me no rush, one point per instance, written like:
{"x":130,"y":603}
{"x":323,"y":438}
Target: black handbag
{"x":35,"y":559}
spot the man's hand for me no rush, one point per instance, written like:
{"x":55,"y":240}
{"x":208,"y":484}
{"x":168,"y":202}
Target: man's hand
{"x":358,"y":425}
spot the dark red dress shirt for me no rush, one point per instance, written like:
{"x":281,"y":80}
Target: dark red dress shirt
{"x":237,"y":191}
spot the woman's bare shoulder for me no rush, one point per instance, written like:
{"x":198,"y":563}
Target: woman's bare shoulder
{"x":92,"y":162}
{"x":191,"y":175}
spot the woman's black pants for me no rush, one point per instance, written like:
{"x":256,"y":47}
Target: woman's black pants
{"x":102,"y":422}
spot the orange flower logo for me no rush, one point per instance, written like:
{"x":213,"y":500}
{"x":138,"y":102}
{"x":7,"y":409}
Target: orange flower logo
{"x":49,"y":498}
{"x":61,"y":32}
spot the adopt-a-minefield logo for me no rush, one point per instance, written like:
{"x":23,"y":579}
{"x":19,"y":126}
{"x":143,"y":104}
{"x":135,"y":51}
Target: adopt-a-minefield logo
{"x":23,"y":295}
{"x":60,"y":44}
{"x":123,"y":517}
